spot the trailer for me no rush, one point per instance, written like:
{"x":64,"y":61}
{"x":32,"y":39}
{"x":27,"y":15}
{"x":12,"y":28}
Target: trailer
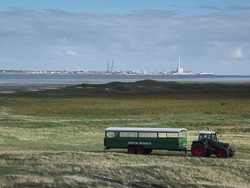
{"x":145,"y":140}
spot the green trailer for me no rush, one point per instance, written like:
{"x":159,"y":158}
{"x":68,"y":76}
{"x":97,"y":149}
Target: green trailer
{"x":145,"y":140}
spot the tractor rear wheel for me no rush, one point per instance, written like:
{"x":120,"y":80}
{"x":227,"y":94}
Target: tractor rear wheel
{"x":222,"y":153}
{"x":198,"y":150}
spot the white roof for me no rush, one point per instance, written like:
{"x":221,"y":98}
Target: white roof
{"x":206,"y":132}
{"x":133,"y":129}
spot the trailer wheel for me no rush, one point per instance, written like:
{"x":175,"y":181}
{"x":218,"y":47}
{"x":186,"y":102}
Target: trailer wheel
{"x":222,"y":153}
{"x":198,"y":150}
{"x":140,"y":150}
{"x":131,"y":149}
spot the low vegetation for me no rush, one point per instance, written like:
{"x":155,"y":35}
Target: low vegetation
{"x":55,"y":138}
{"x":139,"y":98}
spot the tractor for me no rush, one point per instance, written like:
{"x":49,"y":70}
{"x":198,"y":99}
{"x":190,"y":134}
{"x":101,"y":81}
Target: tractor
{"x":209,"y":144}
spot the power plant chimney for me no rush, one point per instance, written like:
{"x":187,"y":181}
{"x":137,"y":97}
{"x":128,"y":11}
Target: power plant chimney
{"x":179,"y":70}
{"x":179,"y":62}
{"x":108,"y":66}
{"x":112,"y":66}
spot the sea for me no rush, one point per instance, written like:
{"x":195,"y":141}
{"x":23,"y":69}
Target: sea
{"x":29,"y":82}
{"x":105,"y":78}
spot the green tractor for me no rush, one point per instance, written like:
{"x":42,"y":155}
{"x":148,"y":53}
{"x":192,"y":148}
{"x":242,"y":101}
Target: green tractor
{"x":208,"y":144}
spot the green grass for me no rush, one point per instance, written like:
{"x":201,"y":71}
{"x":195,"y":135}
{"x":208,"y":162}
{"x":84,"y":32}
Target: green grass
{"x":55,"y":138}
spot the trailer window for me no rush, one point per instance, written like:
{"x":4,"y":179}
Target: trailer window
{"x":147,"y":135}
{"x":162,"y":135}
{"x":110,"y":134}
{"x":172,"y":135}
{"x":182,"y":134}
{"x":128,"y":134}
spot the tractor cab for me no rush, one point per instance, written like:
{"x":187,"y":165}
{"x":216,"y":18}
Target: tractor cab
{"x":207,"y":135}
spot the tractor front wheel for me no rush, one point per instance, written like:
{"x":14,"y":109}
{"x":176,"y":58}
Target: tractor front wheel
{"x":231,"y":152}
{"x":222,"y":153}
{"x":198,"y":150}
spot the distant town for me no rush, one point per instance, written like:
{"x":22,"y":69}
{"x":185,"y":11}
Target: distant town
{"x":110,"y":70}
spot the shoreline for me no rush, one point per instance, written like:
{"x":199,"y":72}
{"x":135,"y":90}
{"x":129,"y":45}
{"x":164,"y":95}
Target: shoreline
{"x":13,"y":87}
{"x":23,"y":87}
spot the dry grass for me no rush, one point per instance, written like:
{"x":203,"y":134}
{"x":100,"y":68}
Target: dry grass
{"x":75,"y":169}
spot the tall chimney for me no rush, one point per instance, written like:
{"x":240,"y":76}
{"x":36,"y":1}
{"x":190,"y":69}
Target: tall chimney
{"x":112,"y":66}
{"x":108,"y":66}
{"x":179,"y":62}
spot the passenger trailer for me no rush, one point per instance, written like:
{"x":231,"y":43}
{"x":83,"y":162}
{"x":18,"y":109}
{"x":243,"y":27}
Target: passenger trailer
{"x":145,"y":140}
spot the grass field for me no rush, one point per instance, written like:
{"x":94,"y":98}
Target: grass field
{"x":55,"y":138}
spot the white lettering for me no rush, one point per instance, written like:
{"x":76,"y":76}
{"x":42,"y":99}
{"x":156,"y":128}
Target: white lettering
{"x":139,"y":143}
{"x":145,"y":143}
{"x":133,"y":143}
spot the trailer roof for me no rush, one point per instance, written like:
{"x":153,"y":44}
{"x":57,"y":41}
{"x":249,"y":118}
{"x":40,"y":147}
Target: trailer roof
{"x":133,"y":129}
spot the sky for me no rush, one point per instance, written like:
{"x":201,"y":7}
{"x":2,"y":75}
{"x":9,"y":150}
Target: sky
{"x":209,"y":35}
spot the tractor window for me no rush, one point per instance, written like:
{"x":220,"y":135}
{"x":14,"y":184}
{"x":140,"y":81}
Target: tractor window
{"x":215,"y":137}
{"x":201,"y":137}
{"x":212,"y":136}
{"x":204,"y":136}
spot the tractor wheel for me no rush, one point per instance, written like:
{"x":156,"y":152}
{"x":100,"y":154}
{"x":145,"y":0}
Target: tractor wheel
{"x":131,"y":149}
{"x":222,"y":153}
{"x":140,"y":150}
{"x":231,"y":152}
{"x":198,"y":150}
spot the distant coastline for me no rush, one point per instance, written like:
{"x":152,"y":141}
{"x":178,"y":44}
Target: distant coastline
{"x":13,"y":82}
{"x":133,"y":72}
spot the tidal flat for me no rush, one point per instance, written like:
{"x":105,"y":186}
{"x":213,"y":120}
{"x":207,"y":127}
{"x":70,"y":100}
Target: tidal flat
{"x":54,"y":138}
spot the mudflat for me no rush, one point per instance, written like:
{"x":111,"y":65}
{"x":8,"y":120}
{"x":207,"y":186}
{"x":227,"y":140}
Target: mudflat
{"x":12,"y":87}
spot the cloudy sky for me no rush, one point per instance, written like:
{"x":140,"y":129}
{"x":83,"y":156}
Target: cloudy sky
{"x":210,"y":35}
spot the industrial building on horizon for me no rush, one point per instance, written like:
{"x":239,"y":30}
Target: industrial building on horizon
{"x":180,"y":71}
